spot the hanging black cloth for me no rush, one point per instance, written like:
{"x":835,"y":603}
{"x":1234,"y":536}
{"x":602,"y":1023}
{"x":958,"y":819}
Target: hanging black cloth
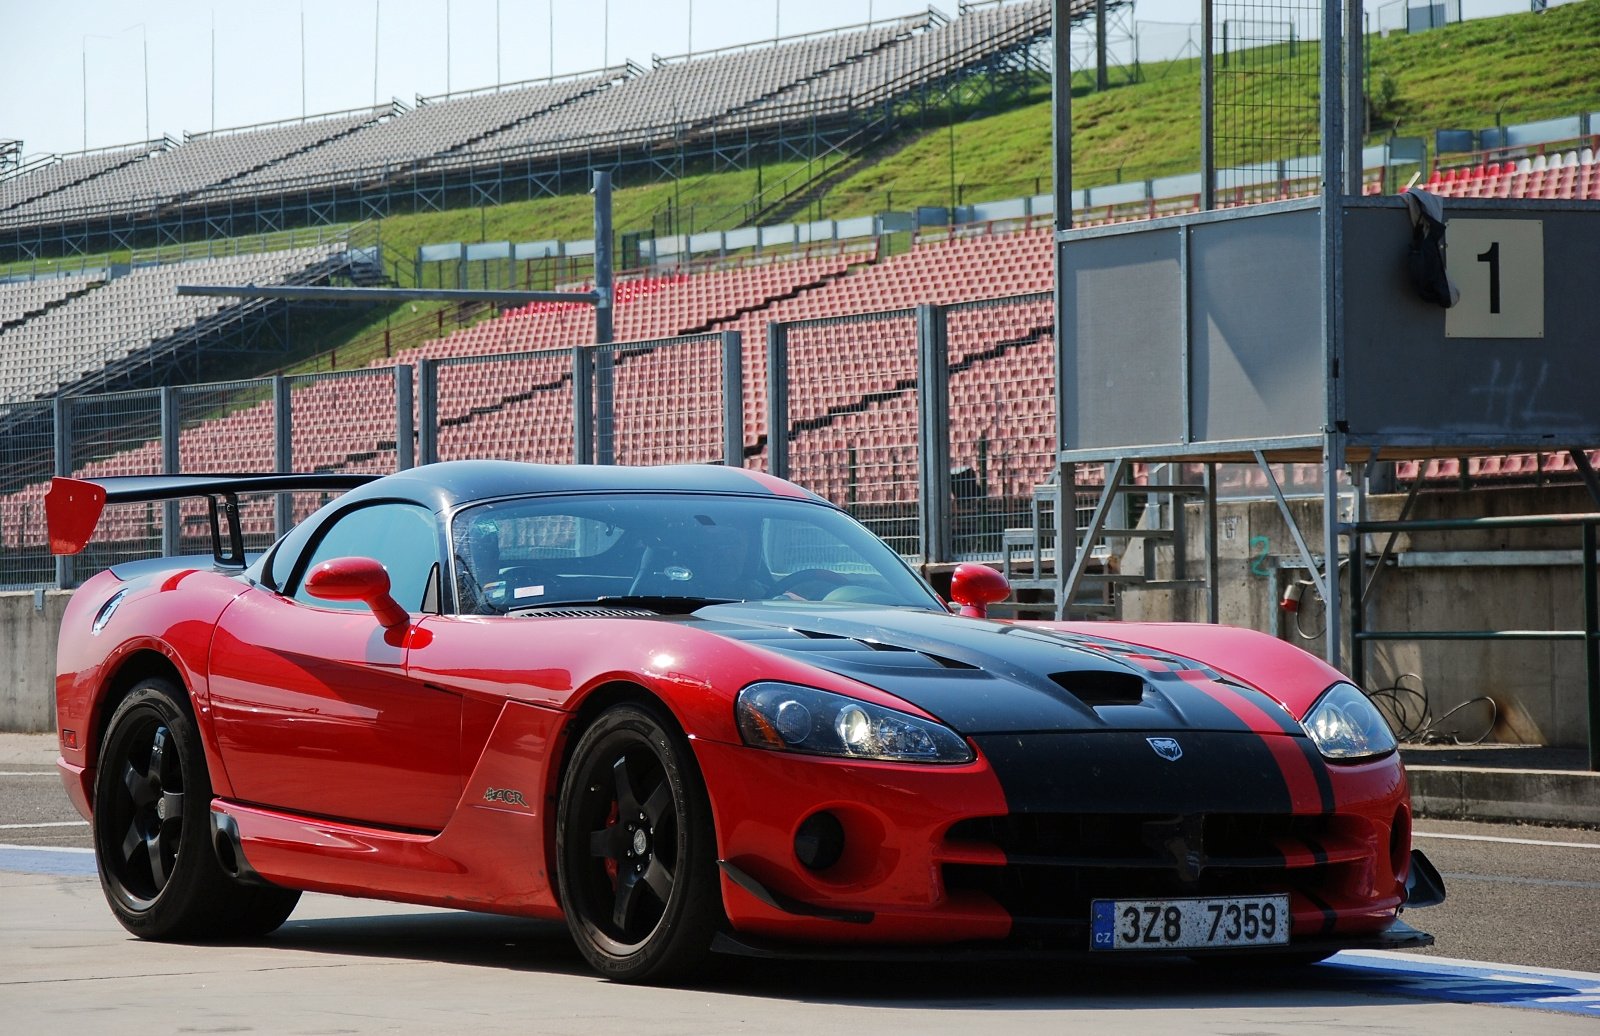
{"x":1428,"y":272}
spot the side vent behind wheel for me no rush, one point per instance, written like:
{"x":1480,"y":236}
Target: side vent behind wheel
{"x":1102,"y":687}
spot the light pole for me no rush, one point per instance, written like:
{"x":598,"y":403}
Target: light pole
{"x":85,"y":46}
{"x":447,"y":47}
{"x":377,"y":12}
{"x":144,"y":40}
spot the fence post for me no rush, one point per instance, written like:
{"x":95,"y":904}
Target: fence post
{"x":405,"y":443}
{"x":778,"y":399}
{"x":933,"y":427}
{"x":282,"y":452}
{"x":63,"y":452}
{"x":171,"y":530}
{"x":582,"y":406}
{"x":733,"y":399}
{"x":427,"y":411}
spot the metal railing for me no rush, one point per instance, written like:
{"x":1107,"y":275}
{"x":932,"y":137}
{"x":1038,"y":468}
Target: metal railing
{"x":931,"y":425}
{"x":1588,"y":636}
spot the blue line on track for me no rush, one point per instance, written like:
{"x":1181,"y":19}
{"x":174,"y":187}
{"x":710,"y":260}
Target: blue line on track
{"x":1360,"y":971}
{"x":1469,"y":982}
{"x":28,"y":859}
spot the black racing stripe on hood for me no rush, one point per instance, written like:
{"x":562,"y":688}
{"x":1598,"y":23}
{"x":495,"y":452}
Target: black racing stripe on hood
{"x":976,"y":676}
{"x":1119,"y":772}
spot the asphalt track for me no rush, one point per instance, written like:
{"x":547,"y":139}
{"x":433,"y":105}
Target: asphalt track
{"x":356,"y":966}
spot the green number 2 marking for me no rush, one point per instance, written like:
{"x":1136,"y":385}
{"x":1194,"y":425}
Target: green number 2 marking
{"x":1262,"y":544}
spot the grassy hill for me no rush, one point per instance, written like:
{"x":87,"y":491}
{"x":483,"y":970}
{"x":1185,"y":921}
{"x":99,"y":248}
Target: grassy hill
{"x":1514,"y":68}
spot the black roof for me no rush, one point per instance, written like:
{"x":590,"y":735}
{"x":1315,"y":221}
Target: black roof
{"x":453,"y":483}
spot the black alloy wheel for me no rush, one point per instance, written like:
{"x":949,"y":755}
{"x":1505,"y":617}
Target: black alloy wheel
{"x":636,"y":848}
{"x":152,"y":829}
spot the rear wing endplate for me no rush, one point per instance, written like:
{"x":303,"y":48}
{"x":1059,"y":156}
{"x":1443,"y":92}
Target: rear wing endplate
{"x":73,"y":506}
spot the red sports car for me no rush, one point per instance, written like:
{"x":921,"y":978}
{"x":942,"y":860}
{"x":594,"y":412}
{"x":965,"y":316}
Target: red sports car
{"x":694,"y":710}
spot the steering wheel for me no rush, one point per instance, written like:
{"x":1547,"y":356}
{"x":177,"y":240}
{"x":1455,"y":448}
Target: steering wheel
{"x":829,"y":578}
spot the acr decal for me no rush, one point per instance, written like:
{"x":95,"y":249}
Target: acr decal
{"x":510,"y":796}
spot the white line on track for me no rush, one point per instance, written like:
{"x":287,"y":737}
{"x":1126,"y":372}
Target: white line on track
{"x":45,"y":848}
{"x":28,"y":773}
{"x":52,"y":823}
{"x":1505,"y":880}
{"x":1514,"y":841}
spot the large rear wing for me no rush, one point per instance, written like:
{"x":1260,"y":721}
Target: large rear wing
{"x":73,"y":506}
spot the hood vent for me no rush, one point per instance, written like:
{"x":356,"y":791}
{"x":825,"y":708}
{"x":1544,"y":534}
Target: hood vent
{"x":1096,"y":687}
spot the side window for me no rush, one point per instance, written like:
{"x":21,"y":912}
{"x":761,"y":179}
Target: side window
{"x":287,"y":553}
{"x":401,"y":537}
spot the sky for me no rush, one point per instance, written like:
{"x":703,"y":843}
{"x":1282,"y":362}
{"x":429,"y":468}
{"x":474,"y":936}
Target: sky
{"x":74,"y":74}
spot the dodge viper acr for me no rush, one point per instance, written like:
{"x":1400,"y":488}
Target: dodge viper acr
{"x":694,"y":710}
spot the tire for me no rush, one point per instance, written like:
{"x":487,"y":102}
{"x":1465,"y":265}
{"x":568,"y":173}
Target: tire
{"x":636,"y":849}
{"x":152,"y":829}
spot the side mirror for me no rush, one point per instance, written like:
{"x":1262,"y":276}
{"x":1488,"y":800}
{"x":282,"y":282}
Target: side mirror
{"x":357,"y":579}
{"x":975,"y":587}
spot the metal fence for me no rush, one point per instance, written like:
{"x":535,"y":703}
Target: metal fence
{"x":27,"y":460}
{"x":843,"y":417}
{"x":510,"y":406}
{"x":880,"y":413}
{"x":669,"y":401}
{"x":1001,"y":416}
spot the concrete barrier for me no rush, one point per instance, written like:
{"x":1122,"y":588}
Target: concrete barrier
{"x":1566,"y":797}
{"x":30,"y":621}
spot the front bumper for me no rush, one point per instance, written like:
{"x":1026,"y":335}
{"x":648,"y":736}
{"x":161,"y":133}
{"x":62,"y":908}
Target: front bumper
{"x":938,"y":855}
{"x":1397,"y":936}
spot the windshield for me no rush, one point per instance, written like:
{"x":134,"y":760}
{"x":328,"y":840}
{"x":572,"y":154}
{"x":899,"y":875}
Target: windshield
{"x":541,"y":551}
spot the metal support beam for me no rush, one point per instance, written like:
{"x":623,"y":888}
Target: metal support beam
{"x":62,"y":417}
{"x":582,"y":405}
{"x":1208,"y":125}
{"x":405,"y":434}
{"x":282,"y":452}
{"x":1580,"y":458}
{"x":1294,"y":529}
{"x":1332,"y":464}
{"x":1358,"y":576}
{"x":733,"y":399}
{"x":1066,"y":531}
{"x":778,"y":399}
{"x":1101,"y":81}
{"x":604,"y":360}
{"x":933,"y":425}
{"x":1211,"y":541}
{"x":427,"y":411}
{"x":171,"y":527}
{"x":1061,"y":112}
{"x":1080,"y":561}
{"x":1355,"y":102}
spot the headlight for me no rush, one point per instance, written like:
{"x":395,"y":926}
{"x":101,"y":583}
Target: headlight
{"x":791,"y":718}
{"x":1345,"y":726}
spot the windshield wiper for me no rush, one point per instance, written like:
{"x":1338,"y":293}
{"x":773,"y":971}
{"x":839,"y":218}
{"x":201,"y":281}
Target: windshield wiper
{"x":661,"y":603}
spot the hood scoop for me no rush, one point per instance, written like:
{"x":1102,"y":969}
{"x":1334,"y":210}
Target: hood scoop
{"x":864,"y":653}
{"x":1096,"y":687}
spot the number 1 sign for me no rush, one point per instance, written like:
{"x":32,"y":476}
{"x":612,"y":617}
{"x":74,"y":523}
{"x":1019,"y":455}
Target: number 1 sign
{"x":1499,"y":266}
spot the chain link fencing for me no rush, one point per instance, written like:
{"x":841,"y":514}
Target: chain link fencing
{"x":118,"y":433}
{"x":226,"y":427}
{"x":27,"y":460}
{"x":852,"y":418}
{"x":662,"y":401}
{"x":510,"y":406}
{"x":1001,"y":416}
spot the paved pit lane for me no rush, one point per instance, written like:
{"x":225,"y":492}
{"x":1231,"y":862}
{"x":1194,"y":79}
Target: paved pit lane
{"x":357,"y":966}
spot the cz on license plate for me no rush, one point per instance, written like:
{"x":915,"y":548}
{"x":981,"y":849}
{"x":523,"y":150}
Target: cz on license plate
{"x":1189,"y":924}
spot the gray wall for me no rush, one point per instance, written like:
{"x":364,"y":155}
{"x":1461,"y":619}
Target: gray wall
{"x":1538,"y":687}
{"x":28,"y":659}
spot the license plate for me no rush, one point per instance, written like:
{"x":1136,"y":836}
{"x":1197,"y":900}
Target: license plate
{"x":1189,"y":924}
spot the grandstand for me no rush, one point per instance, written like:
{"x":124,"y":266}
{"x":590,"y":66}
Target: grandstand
{"x":504,"y":386}
{"x":57,"y":332}
{"x":627,"y":117}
